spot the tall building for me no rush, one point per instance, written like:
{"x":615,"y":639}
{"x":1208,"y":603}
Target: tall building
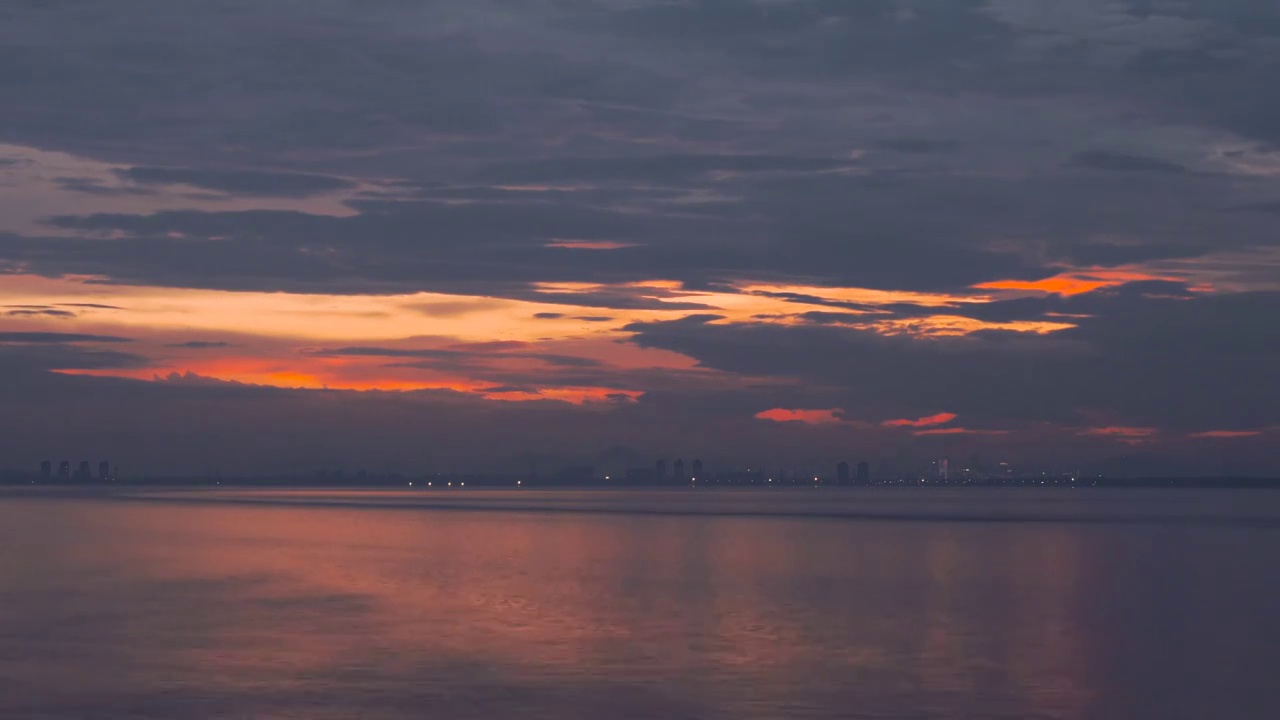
{"x":944,"y":469}
{"x":697,"y":469}
{"x":660,"y":471}
{"x":864,"y":473}
{"x":842,"y":473}
{"x":46,"y":469}
{"x":104,"y":470}
{"x":85,"y":472}
{"x":679,"y":471}
{"x":64,"y":469}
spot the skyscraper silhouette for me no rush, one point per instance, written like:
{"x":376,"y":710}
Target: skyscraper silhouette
{"x":864,"y":473}
{"x":85,"y":472}
{"x":64,"y":469}
{"x":679,"y":474}
{"x":697,"y":469}
{"x":46,"y":469}
{"x":660,"y":471}
{"x":104,"y":470}
{"x":842,"y":473}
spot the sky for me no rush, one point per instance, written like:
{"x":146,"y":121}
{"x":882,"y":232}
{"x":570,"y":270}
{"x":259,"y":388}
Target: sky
{"x":429,"y":235}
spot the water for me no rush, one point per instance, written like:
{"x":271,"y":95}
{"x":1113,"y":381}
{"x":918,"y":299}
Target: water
{"x":795,"y":604}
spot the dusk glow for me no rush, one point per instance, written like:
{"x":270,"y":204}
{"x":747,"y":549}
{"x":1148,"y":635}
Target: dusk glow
{"x":759,"y":233}
{"x":639,"y":359}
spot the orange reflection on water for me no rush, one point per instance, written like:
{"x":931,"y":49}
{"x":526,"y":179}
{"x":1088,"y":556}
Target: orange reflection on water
{"x":656,"y":614}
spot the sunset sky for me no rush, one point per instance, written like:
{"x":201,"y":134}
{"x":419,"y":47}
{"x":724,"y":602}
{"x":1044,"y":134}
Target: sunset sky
{"x":419,"y":235}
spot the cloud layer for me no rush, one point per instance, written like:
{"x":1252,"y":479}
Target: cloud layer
{"x":766,"y":230}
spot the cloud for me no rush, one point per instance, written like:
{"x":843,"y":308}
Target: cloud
{"x":722,"y":185}
{"x":957,"y":431}
{"x":461,"y":356}
{"x":200,"y":344}
{"x":938,"y":419}
{"x":239,"y":182}
{"x":53,"y":338}
{"x":36,"y":312}
{"x":589,"y":244}
{"x":808,"y":417}
{"x":1123,"y":433}
{"x":95,"y":186}
{"x":1224,"y":434}
{"x":917,"y":146}
{"x":1120,"y":162}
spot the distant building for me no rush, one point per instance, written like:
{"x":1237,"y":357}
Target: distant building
{"x":660,"y":471}
{"x":842,"y":473}
{"x":944,"y":469}
{"x":864,"y":473}
{"x":679,"y":471}
{"x":46,"y":469}
{"x":85,"y":472}
{"x":697,"y":469}
{"x":104,"y":470}
{"x":577,"y":474}
{"x":64,"y":469}
{"x":640,"y":476}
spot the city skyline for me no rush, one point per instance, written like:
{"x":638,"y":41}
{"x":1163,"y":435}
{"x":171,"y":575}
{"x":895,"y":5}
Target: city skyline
{"x":261,"y":236}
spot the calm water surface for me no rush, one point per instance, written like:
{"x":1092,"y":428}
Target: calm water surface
{"x":782,"y":604}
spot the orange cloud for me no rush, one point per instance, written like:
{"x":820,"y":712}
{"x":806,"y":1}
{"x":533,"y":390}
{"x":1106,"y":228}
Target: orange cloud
{"x":1225,"y":434}
{"x":1076,"y":282}
{"x":589,"y":244}
{"x":939,"y":419}
{"x":811,"y":417}
{"x":957,"y":326}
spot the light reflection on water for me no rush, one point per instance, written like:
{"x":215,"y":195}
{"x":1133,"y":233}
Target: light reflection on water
{"x":195,"y":608}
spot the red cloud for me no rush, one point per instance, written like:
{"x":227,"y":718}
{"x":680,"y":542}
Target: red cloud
{"x":1226,"y":434}
{"x":1121,"y":431}
{"x":811,"y":417}
{"x":959,"y":431}
{"x":1128,"y":435}
{"x":939,"y":419}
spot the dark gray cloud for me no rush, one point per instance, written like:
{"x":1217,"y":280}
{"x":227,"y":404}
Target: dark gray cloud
{"x":654,"y":168}
{"x":1153,"y":361}
{"x":239,"y":182}
{"x":40,"y":312}
{"x":1120,"y":162}
{"x":45,"y":338}
{"x":917,"y":145}
{"x":200,"y":344}
{"x":460,"y":358}
{"x":94,"y":186}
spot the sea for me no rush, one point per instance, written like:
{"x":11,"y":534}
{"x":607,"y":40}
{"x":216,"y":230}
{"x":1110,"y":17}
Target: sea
{"x":885,"y":603}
